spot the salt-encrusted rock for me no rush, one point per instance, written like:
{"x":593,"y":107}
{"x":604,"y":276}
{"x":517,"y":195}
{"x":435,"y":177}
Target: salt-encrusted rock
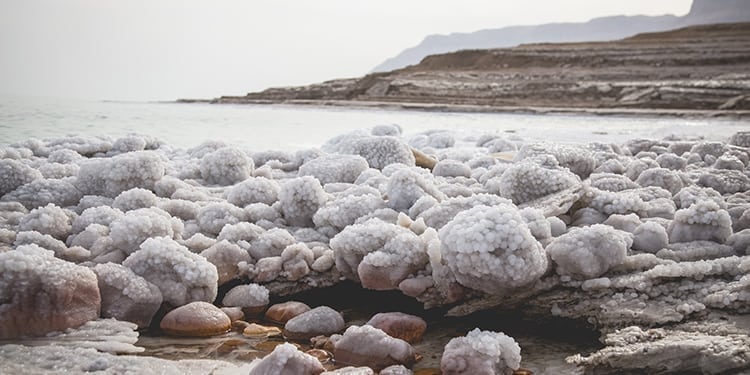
{"x":300,"y":198}
{"x":589,"y":252}
{"x":214,"y":216}
{"x":127,"y":296}
{"x":532,"y":179}
{"x":42,"y":192}
{"x":14,"y":174}
{"x":321,"y":320}
{"x":740,"y":242}
{"x":351,"y":370}
{"x":130,"y":230}
{"x":406,"y":186}
{"x":296,"y":260}
{"x":270,"y":243}
{"x":41,"y":293}
{"x":234,"y":313}
{"x":252,"y":298}
{"x":396,"y":370}
{"x":254,"y":190}
{"x":440,"y":213}
{"x":481,"y":353}
{"x":50,"y":219}
{"x":371,"y":347}
{"x":694,"y":194}
{"x":226,"y":256}
{"x":706,"y":347}
{"x":392,"y":253}
{"x":286,"y":359}
{"x":725,"y":181}
{"x":661,"y":177}
{"x":334,"y":168}
{"x":492,"y":250}
{"x":134,"y":199}
{"x":378,"y":151}
{"x":701,"y":221}
{"x":402,"y":326}
{"x":451,"y":168}
{"x":226,"y":166}
{"x":180,"y":275}
{"x":577,"y":159}
{"x":281,"y":313}
{"x":112,"y":176}
{"x":103,"y":215}
{"x":346,"y":209}
{"x":650,"y":237}
{"x":196,"y":319}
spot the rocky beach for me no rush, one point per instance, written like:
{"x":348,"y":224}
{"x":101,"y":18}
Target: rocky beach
{"x":695,"y":71}
{"x":376,"y":253}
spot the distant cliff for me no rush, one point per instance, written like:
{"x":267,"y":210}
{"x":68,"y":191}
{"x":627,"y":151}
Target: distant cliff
{"x":704,"y":68}
{"x":598,"y":29}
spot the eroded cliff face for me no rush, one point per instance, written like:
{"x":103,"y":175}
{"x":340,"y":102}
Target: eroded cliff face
{"x":694,"y":68}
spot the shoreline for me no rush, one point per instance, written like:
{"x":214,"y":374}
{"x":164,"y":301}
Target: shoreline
{"x":477,"y":108}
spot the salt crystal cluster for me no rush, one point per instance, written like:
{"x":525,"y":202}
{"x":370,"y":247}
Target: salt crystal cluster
{"x":481,"y":352}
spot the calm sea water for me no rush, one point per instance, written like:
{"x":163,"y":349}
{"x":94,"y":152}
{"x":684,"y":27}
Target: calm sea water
{"x":262,"y":127}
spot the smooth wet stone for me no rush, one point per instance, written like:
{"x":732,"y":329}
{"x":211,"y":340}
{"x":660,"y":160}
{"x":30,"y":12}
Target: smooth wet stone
{"x":257,"y":330}
{"x":281,"y":312}
{"x":199,"y":319}
{"x":402,"y":326}
{"x":286,"y":359}
{"x":40,"y":293}
{"x":234,"y":313}
{"x":371,"y":347}
{"x":321,"y":320}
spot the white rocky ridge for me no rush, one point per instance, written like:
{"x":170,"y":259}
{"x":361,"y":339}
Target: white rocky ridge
{"x":646,"y":233}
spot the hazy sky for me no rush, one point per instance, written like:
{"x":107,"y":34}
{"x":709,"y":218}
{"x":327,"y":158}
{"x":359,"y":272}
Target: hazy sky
{"x":167,"y":49}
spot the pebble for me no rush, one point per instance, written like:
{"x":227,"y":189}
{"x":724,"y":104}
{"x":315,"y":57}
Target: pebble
{"x":198,"y":319}
{"x":280,"y":313}
{"x":402,"y":326}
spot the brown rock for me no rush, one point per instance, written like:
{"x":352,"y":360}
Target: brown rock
{"x":198,"y":319}
{"x":280,"y":313}
{"x":257,"y":330}
{"x":321,"y":320}
{"x":42,"y":294}
{"x":402,"y":326}
{"x":422,"y":160}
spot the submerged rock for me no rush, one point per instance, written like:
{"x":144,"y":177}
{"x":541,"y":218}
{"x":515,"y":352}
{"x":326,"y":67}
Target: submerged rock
{"x":321,"y":320}
{"x":196,"y":319}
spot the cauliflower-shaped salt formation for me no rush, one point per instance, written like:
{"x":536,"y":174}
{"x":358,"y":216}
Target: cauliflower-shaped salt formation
{"x":481,"y":353}
{"x":740,"y":242}
{"x":589,"y":252}
{"x":134,"y":199}
{"x":226,"y":166}
{"x":694,"y":194}
{"x":704,"y":220}
{"x":112,"y":176}
{"x":358,"y":240}
{"x":226,"y":256}
{"x":254,"y":190}
{"x":300,"y":198}
{"x":438,"y":214}
{"x":531,"y":179}
{"x":270,"y":243}
{"x":345,"y":210}
{"x":14,"y":174}
{"x":611,"y":182}
{"x":741,"y":139}
{"x":131,"y":229}
{"x":249,"y":295}
{"x":406,"y":186}
{"x":64,"y":156}
{"x":103,"y":215}
{"x":49,"y":219}
{"x":181,"y":276}
{"x":213,"y":217}
{"x":44,"y":191}
{"x":491,"y":249}
{"x":671,"y":161}
{"x":725,"y":181}
{"x":660,"y":177}
{"x":371,"y":347}
{"x":451,"y":168}
{"x":286,"y":359}
{"x":296,"y":261}
{"x":379,"y":151}
{"x":334,"y":168}
{"x":714,"y":149}
{"x":127,"y":296}
{"x":577,"y":159}
{"x":401,"y":255}
{"x":57,"y":170}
